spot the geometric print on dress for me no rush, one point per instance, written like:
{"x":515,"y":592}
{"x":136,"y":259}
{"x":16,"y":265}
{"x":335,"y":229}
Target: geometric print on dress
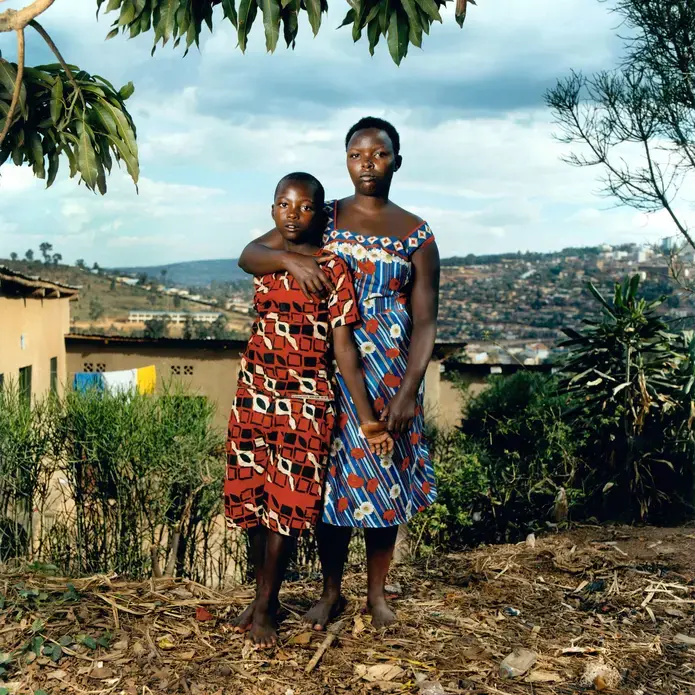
{"x":289,"y":352}
{"x":277,"y":451}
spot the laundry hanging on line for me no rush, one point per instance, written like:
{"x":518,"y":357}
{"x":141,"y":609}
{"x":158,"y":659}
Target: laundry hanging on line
{"x":122,"y":381}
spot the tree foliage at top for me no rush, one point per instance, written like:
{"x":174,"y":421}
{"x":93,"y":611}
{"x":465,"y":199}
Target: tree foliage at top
{"x":646,"y":103}
{"x":59,"y":111}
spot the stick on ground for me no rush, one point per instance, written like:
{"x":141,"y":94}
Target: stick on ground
{"x":333,"y":632}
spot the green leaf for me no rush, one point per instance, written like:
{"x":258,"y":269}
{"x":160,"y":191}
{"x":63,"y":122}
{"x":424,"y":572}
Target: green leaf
{"x":86,"y":156}
{"x":398,"y":37}
{"x":127,"y":13}
{"x":415,"y":27}
{"x":430,"y":9}
{"x":166,"y":20}
{"x":384,"y":16}
{"x":34,"y":142}
{"x":113,"y":5}
{"x":57,"y":100}
{"x":126,"y":156}
{"x":271,"y":23}
{"x":88,"y":641}
{"x":290,"y":27}
{"x":230,"y":11}
{"x":373,"y":34}
{"x":349,"y":18}
{"x":126,"y":91}
{"x":37,"y":626}
{"x":247,"y":14}
{"x":313,"y":9}
{"x":8,"y":76}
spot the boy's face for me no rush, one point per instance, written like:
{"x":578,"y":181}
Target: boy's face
{"x":294,"y":209}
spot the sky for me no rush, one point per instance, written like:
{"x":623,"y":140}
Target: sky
{"x":217,"y":129}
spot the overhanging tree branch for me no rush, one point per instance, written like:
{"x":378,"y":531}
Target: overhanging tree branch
{"x":17,"y":85}
{"x":14,"y":20}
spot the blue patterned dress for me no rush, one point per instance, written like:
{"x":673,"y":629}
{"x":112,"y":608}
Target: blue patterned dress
{"x":363,"y":489}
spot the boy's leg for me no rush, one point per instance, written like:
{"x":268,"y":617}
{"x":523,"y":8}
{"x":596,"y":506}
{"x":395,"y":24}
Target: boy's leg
{"x":257,"y":549}
{"x":277,"y":555}
{"x":380,"y":545}
{"x":333,"y":544}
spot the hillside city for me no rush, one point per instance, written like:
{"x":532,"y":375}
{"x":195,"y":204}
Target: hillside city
{"x":507,"y":308}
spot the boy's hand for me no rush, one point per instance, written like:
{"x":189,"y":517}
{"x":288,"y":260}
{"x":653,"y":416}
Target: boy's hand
{"x":377,"y":436}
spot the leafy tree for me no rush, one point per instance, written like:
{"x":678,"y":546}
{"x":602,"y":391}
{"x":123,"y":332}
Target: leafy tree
{"x":157,"y":328}
{"x":142,"y":279}
{"x":13,"y":256}
{"x":57,"y":258}
{"x":163,"y":273}
{"x":647,"y":104}
{"x":112,"y":286}
{"x":45,"y":249}
{"x":81,"y":264}
{"x":218,"y":329}
{"x":29,"y":255}
{"x":96,"y":309}
{"x":60,"y":110}
{"x":188,"y":328}
{"x":96,"y":266}
{"x":177,"y":301}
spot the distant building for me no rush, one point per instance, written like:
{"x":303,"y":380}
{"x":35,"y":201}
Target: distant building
{"x":34,"y":319}
{"x":173,"y":316}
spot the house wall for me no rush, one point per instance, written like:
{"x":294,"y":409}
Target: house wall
{"x":32,"y":331}
{"x":210,"y":372}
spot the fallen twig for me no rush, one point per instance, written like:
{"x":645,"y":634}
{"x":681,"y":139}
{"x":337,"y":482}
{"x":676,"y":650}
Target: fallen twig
{"x":333,"y":632}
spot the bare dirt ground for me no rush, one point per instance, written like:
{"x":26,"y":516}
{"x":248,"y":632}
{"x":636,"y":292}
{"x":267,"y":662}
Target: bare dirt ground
{"x":583,"y":600}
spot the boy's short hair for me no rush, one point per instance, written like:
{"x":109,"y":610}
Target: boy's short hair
{"x":303,"y":177}
{"x":373,"y":123}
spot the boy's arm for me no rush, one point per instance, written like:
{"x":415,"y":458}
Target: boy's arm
{"x":267,"y":254}
{"x":348,"y":361}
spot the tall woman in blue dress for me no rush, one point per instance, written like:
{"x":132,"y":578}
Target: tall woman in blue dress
{"x":395,"y":264}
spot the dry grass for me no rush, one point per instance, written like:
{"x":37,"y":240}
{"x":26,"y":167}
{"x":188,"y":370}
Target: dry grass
{"x":614,"y":594}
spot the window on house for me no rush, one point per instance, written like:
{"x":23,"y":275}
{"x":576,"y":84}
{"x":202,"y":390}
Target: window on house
{"x":25,"y":384}
{"x":54,"y":375}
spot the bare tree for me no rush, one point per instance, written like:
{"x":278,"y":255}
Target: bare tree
{"x":637,"y":122}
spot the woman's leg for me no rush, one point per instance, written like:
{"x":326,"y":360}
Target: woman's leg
{"x":277,"y":555}
{"x":333,"y":544}
{"x":257,"y":543}
{"x":380,"y":545}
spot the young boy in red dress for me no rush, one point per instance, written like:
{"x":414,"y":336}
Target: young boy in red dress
{"x":282,"y":420}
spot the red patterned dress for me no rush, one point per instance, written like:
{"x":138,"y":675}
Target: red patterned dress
{"x":282,"y":420}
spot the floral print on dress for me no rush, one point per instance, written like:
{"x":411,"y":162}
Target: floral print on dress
{"x":364,"y":489}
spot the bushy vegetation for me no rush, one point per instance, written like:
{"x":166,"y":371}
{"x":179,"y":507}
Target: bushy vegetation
{"x":609,"y":437}
{"x":128,"y":483}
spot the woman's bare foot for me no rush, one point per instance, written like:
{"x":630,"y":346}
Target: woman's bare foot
{"x":242,"y":622}
{"x":328,"y":607}
{"x":382,"y":615}
{"x":264,"y":631}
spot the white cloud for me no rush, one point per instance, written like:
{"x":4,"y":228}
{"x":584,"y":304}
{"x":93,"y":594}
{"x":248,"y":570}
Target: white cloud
{"x":217,"y":130}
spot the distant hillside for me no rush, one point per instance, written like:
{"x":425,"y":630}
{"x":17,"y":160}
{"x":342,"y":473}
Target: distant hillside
{"x":194,"y":273}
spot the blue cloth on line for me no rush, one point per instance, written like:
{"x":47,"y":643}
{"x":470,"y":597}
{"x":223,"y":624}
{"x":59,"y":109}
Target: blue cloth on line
{"x":88,"y":380}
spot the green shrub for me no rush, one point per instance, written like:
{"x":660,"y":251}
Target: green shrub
{"x":632,"y":380}
{"x":461,"y":491}
{"x":528,"y":450}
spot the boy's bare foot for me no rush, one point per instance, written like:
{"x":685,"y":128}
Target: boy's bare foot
{"x":382,"y":615}
{"x":327,"y":608}
{"x":243,"y":621}
{"x":264,"y":631}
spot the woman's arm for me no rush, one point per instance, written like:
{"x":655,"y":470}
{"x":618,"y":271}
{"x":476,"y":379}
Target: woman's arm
{"x":349,"y":364}
{"x":267,"y":254}
{"x":399,"y":413}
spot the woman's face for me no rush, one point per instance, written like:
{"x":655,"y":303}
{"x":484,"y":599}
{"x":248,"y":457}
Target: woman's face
{"x":371,"y":162}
